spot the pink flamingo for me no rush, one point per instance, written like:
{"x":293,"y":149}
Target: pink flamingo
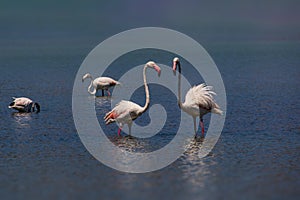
{"x":198,"y":100}
{"x":100,"y":83}
{"x":126,"y":111}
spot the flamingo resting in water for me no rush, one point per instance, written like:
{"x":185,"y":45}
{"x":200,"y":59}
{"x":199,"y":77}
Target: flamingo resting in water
{"x":126,"y":111}
{"x":198,"y":100}
{"x":100,"y":83}
{"x":23,"y":104}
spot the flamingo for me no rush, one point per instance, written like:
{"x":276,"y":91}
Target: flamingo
{"x":198,"y":100}
{"x":126,"y":111}
{"x":100,"y":83}
{"x":24,"y":104}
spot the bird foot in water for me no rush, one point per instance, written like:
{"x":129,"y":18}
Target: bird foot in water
{"x":129,"y":137}
{"x":201,"y":137}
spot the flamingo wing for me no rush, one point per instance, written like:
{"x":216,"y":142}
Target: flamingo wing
{"x":124,"y":112}
{"x":106,"y":82}
{"x":201,"y":95}
{"x":22,"y":101}
{"x":21,"y":104}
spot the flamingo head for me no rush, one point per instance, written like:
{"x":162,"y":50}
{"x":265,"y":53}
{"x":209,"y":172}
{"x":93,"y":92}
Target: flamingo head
{"x":154,"y":66}
{"x":175,"y":63}
{"x":86,"y":76}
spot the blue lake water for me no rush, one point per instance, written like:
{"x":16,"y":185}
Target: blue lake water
{"x":257,"y":155}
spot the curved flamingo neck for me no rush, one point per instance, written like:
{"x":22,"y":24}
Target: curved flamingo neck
{"x":179,"y":86}
{"x":146,"y":91}
{"x":90,"y":86}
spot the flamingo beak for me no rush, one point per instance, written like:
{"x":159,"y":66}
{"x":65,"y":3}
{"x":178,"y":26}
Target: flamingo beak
{"x":174,"y":67}
{"x":157,"y":68}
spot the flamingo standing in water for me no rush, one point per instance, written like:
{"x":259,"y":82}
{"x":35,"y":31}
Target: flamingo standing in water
{"x":100,"y":83}
{"x":126,"y":111}
{"x":198,"y":100}
{"x":23,"y":104}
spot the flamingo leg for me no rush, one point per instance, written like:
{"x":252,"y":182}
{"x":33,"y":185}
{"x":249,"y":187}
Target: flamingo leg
{"x":119,"y":131}
{"x":202,"y":126}
{"x":102,"y":92}
{"x":195,"y":127}
{"x":129,"y":128}
{"x":108,"y":93}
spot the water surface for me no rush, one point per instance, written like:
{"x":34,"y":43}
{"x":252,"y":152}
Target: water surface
{"x":257,"y":155}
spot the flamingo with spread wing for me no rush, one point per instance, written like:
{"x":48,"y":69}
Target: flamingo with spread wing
{"x":198,"y":100}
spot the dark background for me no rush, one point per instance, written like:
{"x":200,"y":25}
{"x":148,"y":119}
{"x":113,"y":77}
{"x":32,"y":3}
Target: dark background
{"x":255,"y":45}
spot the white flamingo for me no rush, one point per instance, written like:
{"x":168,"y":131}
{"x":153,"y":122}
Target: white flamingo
{"x":198,"y":100}
{"x":24,"y":104}
{"x":126,"y":111}
{"x":100,"y":83}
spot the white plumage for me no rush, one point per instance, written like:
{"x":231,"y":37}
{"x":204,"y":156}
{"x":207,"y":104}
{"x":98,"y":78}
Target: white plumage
{"x":24,"y":104}
{"x":100,"y":83}
{"x":126,"y":111}
{"x":201,"y":96}
{"x":199,"y":99}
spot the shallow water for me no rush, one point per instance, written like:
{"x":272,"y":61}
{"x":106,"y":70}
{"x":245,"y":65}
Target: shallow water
{"x":257,"y":155}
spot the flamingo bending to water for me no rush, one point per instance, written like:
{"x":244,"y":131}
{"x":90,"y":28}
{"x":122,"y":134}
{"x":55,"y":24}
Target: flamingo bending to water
{"x":23,"y":104}
{"x":100,"y":83}
{"x":198,"y":100}
{"x":126,"y":111}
